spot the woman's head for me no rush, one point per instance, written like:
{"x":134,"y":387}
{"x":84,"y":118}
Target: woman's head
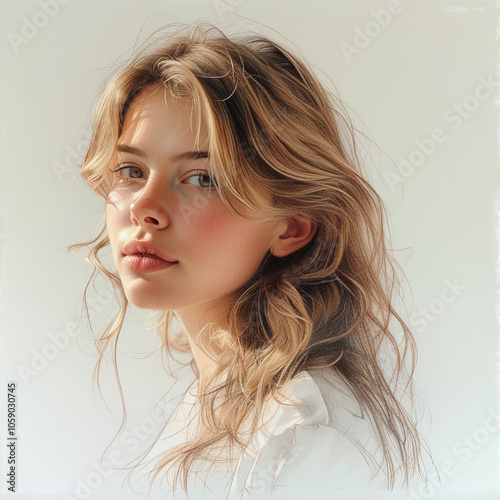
{"x":275,"y":152}
{"x":176,"y":245}
{"x":270,"y":168}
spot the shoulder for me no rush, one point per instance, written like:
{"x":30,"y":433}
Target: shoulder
{"x":312,"y":436}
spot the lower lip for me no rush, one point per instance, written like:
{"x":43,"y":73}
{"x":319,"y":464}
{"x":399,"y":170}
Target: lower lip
{"x":146,"y":263}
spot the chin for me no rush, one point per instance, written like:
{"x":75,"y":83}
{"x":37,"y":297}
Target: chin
{"x":145,"y":300}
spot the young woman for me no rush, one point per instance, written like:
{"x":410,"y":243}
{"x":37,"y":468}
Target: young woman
{"x":234,"y":207}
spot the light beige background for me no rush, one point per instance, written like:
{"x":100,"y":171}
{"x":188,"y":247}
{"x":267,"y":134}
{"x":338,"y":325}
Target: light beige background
{"x":420,"y":75}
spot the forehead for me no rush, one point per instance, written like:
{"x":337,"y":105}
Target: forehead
{"x":155,"y":120}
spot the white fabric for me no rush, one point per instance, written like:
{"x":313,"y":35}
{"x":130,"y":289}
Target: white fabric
{"x":309,"y":441}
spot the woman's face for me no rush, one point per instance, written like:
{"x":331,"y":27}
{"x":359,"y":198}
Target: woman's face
{"x":175,"y":245}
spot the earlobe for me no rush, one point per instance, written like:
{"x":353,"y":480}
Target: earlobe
{"x":298,"y":233}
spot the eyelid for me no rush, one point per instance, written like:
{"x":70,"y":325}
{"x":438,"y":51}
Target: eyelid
{"x":198,"y":171}
{"x":123,"y":165}
{"x":126,"y":165}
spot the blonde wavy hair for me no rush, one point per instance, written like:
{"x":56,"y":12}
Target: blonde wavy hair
{"x":327,"y":306}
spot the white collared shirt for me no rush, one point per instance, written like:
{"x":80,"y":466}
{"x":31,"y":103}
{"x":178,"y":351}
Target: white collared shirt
{"x":312,"y":444}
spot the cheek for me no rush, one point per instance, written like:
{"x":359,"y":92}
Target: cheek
{"x":224,"y":238}
{"x":217,"y":221}
{"x":205,"y":228}
{"x":117,"y":215}
{"x":118,"y":201}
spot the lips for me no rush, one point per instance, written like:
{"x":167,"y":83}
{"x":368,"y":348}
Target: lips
{"x":143,"y":256}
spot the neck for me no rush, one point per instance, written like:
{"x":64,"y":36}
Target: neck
{"x":198,"y":323}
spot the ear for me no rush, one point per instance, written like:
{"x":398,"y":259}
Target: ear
{"x":298,"y":232}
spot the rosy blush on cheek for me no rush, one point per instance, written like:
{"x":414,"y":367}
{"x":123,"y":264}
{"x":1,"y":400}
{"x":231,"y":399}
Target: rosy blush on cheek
{"x":213,"y":228}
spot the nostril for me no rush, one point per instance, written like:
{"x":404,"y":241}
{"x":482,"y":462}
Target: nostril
{"x":151,"y":220}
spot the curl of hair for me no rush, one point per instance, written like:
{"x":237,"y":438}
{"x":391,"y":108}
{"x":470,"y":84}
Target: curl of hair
{"x":327,"y":306}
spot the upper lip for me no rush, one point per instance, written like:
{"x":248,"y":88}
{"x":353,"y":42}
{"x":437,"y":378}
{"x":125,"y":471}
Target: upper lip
{"x":135,"y":247}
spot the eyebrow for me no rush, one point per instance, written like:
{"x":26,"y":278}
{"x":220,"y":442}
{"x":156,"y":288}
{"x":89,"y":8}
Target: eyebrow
{"x":187,"y":155}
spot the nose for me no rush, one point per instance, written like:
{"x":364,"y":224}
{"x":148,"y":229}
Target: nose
{"x":149,"y":209}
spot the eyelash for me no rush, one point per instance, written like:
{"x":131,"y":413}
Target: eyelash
{"x":126,"y":166}
{"x":194,"y":173}
{"x":201,"y":173}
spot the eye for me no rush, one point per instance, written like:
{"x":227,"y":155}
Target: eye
{"x":128,"y":171}
{"x":200,"y":178}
